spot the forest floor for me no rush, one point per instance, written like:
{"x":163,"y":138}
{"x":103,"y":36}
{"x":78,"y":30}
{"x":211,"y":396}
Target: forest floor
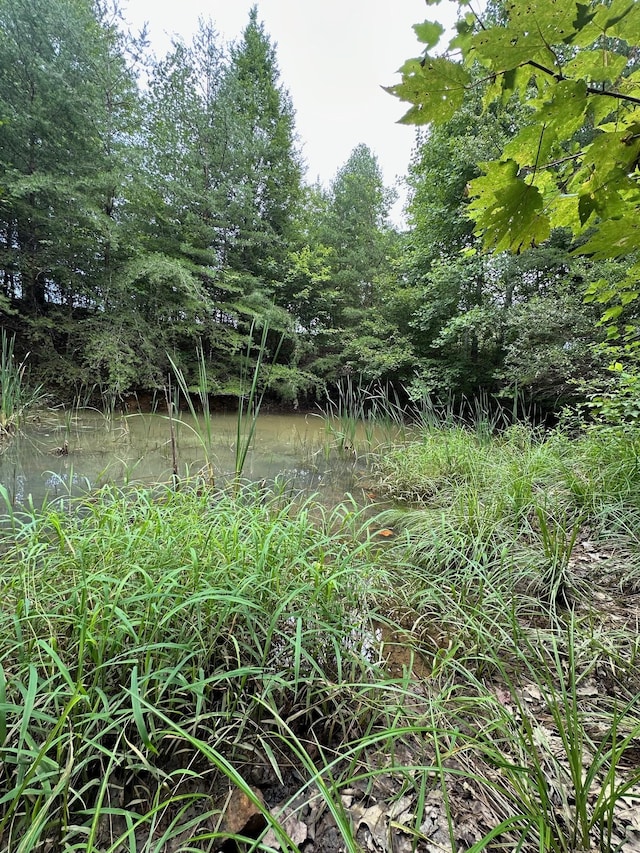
{"x":394,"y":811}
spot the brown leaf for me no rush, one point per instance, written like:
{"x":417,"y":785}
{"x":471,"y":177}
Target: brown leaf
{"x":503,"y":696}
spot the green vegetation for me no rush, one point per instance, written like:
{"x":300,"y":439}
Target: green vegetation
{"x":457,"y":672}
{"x":162,"y":648}
{"x":178,"y":216}
{"x":569,"y":160}
{"x":149,"y":638}
{"x":15,"y":395}
{"x":525,"y":493}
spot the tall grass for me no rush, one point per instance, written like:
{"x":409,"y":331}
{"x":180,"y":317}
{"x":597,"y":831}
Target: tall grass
{"x":362,"y":417}
{"x":161,"y":648}
{"x":547,"y":713}
{"x":143,"y":623}
{"x":253,"y":388}
{"x":15,"y":396}
{"x":524,"y":490}
{"x":254,"y":382}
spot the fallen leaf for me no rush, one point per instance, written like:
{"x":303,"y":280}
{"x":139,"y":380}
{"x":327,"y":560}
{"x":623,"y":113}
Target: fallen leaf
{"x":297,"y":831}
{"x":589,"y":689}
{"x":531,"y":693}
{"x":503,"y":696}
{"x":374,"y":819}
{"x":632,"y":842}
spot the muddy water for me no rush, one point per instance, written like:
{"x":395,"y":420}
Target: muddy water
{"x":61,"y":454}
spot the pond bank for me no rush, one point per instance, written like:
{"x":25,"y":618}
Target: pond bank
{"x":162,"y":650}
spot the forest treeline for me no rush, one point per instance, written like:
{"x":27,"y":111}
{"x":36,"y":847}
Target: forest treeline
{"x":151,"y":210}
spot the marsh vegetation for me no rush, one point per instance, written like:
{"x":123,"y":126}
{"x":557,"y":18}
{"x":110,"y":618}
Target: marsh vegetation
{"x":442,"y":652}
{"x":458,"y":672}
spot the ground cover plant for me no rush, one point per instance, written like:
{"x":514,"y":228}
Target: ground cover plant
{"x":524,"y":593}
{"x":145,"y":622}
{"x":179,"y":668}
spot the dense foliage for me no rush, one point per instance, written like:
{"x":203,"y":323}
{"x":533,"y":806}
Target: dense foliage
{"x":163,"y":650}
{"x":151,"y":210}
{"x":565,"y":74}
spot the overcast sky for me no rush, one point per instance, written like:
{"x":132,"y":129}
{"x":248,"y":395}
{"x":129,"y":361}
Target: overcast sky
{"x":334,"y":56}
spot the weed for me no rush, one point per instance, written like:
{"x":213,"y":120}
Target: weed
{"x":157,"y":646}
{"x":15,"y":397}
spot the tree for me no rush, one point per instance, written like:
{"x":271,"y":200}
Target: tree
{"x":187,"y":132}
{"x":455,"y":322}
{"x":263,"y":176}
{"x":352,"y":326}
{"x":574,"y":161}
{"x":68,"y":116}
{"x":48,"y":149}
{"x":226,"y":178}
{"x":472,"y":310}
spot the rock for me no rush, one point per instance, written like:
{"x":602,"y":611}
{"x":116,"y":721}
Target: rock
{"x":242,"y":816}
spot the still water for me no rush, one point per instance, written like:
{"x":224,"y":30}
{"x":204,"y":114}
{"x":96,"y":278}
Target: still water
{"x":60,"y":454}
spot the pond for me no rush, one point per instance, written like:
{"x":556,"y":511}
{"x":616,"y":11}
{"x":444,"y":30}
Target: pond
{"x":60,"y":454}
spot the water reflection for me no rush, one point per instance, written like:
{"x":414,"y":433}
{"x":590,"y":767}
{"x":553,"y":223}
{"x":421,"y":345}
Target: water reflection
{"x":62,"y":455}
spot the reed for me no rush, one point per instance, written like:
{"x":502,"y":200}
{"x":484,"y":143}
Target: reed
{"x":16,"y":398}
{"x":254,"y":382}
{"x":362,"y":418}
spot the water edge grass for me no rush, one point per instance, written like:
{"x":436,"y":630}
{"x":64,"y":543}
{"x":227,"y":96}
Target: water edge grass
{"x":162,"y":648}
{"x":15,"y":395}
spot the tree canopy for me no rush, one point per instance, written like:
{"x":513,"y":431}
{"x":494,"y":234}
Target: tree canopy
{"x":154,"y":211}
{"x":573,"y":161}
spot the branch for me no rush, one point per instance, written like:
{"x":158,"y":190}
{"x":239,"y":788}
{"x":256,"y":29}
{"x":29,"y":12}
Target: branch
{"x":559,"y":76}
{"x":591,"y":90}
{"x":631,"y":99}
{"x":528,"y":170}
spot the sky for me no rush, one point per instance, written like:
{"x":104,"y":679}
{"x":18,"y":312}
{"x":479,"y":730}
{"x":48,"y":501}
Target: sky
{"x":334,"y":57}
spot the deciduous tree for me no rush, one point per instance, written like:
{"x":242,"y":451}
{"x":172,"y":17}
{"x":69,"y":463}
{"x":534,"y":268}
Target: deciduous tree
{"x":573,"y":162}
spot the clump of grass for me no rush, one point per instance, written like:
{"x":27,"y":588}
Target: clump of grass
{"x":534,"y":714}
{"x":143,"y":622}
{"x":526,"y":490}
{"x":16,"y":398}
{"x":362,"y":417}
{"x":548,"y":749}
{"x":541,"y":695}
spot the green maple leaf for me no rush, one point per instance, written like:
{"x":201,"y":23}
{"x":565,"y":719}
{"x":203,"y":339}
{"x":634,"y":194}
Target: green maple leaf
{"x":428,"y":33}
{"x":603,"y":200}
{"x":558,"y":117}
{"x":598,"y":66}
{"x":620,"y":19}
{"x":533,"y":26}
{"x":508,"y":212}
{"x":502,"y":49}
{"x":610,"y":161}
{"x":614,"y":238}
{"x":436,"y":88}
{"x":554,"y":21}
